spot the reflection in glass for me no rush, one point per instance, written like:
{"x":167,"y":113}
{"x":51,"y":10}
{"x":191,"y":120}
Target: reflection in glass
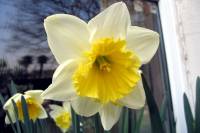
{"x":26,"y":58}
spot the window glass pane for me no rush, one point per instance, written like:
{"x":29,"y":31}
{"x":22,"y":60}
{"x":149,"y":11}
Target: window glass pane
{"x":23,"y":45}
{"x":26,"y":58}
{"x":24,"y":53}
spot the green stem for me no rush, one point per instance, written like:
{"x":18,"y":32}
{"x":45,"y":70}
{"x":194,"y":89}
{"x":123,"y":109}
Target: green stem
{"x":76,"y":122}
{"x":139,"y":121}
{"x":12,"y":125}
{"x":27,"y":122}
{"x":126,"y":121}
{"x":156,"y":123}
{"x":96,"y":120}
{"x":16,"y":116}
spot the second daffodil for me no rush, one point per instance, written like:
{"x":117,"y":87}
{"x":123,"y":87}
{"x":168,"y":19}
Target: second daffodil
{"x":61,"y":115}
{"x":99,"y":62}
{"x":34,"y":103}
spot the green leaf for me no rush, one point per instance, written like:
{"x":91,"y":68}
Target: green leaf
{"x":107,"y":132}
{"x":13,"y":88}
{"x":27,"y":121}
{"x":16,"y":116}
{"x":163,"y":109}
{"x":126,"y":121}
{"x":197,"y":107}
{"x":132,"y":120}
{"x":2,"y":100}
{"x":96,"y":121}
{"x":23,"y":127}
{"x":188,"y":115}
{"x":11,"y":122}
{"x":76,"y":122}
{"x":38,"y":127}
{"x":156,"y":123}
{"x":121,"y":121}
{"x":139,"y":121}
{"x":43,"y":127}
{"x":34,"y":128}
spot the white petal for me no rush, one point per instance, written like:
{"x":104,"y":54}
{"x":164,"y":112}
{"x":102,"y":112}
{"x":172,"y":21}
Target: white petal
{"x":64,"y":130}
{"x":9,"y":107}
{"x":136,"y":99}
{"x":36,"y":94}
{"x":55,"y":107}
{"x":109,"y":115}
{"x":143,"y":41}
{"x":85,"y":106}
{"x":7,"y":121}
{"x":43,"y":113}
{"x":66,"y":67}
{"x":12,"y":116}
{"x":8,"y":104}
{"x":61,"y":88}
{"x":67,"y":36}
{"x":67,"y":107}
{"x":112,"y":22}
{"x":55,"y":110}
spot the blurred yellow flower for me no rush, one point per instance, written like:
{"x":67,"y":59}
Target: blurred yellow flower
{"x":61,"y":115}
{"x":34,"y":103}
{"x":99,"y":62}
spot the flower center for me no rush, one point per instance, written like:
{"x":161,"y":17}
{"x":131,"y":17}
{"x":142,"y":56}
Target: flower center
{"x":108,"y":72}
{"x":63,"y":120}
{"x":33,"y":109}
{"x":103,"y":63}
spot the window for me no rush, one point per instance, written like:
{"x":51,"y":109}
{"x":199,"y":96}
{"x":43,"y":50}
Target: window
{"x":27,"y":60}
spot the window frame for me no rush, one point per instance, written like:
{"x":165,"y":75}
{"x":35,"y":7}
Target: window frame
{"x":177,"y":76}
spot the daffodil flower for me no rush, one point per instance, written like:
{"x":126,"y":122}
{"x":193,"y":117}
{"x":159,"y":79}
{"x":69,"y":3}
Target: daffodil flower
{"x":61,"y":115}
{"x":34,"y":103}
{"x":99,"y":62}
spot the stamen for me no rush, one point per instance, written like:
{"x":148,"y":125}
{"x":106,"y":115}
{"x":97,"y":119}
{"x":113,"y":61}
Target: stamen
{"x":103,"y":63}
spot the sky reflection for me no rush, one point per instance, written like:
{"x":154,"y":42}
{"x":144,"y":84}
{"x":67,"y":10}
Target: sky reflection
{"x":21,"y":26}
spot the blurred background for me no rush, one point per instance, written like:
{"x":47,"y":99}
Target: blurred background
{"x":25,"y":57}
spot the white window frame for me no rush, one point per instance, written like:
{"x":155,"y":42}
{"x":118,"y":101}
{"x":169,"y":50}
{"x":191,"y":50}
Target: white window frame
{"x":176,"y":68}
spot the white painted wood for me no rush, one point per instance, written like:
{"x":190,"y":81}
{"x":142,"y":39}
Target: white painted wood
{"x":176,"y":67}
{"x":189,"y":18}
